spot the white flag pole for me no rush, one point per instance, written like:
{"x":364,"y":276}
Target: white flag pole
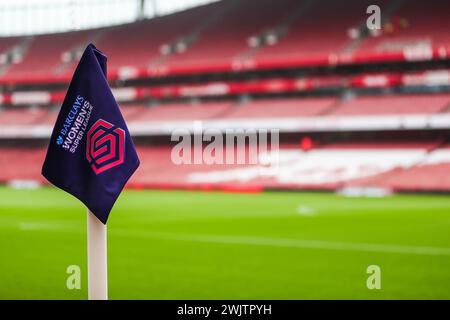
{"x":97,"y":258}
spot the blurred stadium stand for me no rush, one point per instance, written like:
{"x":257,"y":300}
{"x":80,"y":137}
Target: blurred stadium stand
{"x":376,"y":103}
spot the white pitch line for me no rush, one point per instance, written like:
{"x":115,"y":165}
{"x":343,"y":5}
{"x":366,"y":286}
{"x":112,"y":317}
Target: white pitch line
{"x":47,"y":226}
{"x":256,"y":241}
{"x":294,"y":243}
{"x":306,"y":211}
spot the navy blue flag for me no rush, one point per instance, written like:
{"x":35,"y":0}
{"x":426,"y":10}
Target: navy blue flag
{"x":91,"y":154}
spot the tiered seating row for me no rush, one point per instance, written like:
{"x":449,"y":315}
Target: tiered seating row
{"x":216,"y":38}
{"x":397,"y":167}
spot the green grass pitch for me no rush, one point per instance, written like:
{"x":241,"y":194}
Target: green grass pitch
{"x":194,"y":245}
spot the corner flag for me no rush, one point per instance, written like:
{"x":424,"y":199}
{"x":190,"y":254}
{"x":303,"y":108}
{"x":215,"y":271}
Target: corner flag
{"x":91,"y":154}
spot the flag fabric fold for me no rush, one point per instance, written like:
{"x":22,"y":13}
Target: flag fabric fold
{"x":91,"y":154}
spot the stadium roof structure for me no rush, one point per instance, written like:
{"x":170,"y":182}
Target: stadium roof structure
{"x":31,"y":17}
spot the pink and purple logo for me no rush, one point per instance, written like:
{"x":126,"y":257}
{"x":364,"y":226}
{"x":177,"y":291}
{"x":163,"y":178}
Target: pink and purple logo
{"x":105,"y":147}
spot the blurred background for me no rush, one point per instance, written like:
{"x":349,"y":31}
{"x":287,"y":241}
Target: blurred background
{"x":361,"y":112}
{"x":311,"y":69}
